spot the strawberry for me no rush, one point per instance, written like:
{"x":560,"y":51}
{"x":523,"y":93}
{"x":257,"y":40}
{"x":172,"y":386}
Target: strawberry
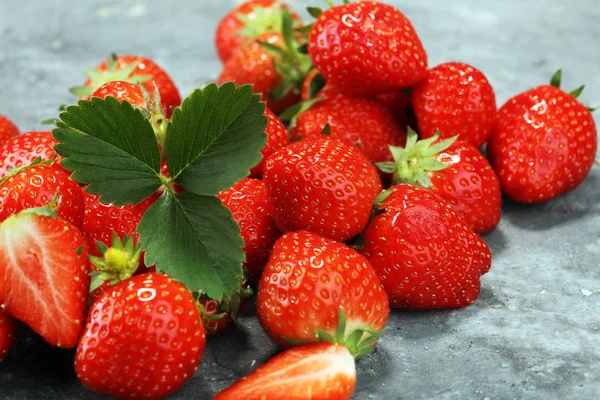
{"x":121,"y":90}
{"x":277,"y":137}
{"x":543,"y":144}
{"x":367,"y":48}
{"x":250,"y":207}
{"x":323,"y":185}
{"x":44,"y":274}
{"x":132,"y":69}
{"x":360,"y":122}
{"x":424,"y":253}
{"x":218,"y":315}
{"x":8,"y":130}
{"x":319,"y":371}
{"x":25,"y":148}
{"x":245,"y":23}
{"x":35,"y":186}
{"x":8,"y":332}
{"x":143,"y":339}
{"x":316,"y":289}
{"x":454,"y":169}
{"x":455,"y":99}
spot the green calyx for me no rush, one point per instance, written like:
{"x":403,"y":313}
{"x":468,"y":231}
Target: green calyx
{"x":98,"y":78}
{"x":155,"y":114}
{"x":556,"y":81}
{"x":260,"y":20}
{"x":227,"y":306}
{"x":118,"y":262}
{"x":413,"y":163}
{"x":15,"y":171}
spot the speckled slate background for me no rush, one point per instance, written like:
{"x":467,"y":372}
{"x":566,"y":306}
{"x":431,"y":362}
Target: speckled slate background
{"x":534,"y":333}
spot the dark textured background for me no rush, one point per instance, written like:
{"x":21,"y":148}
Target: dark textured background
{"x":534,"y":333}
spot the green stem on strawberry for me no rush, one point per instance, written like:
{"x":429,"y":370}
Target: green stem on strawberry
{"x":118,"y":262}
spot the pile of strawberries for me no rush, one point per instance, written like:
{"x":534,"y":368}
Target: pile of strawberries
{"x":371,"y":194}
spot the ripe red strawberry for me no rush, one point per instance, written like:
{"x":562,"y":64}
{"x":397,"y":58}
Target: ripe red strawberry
{"x":316,"y":289}
{"x":457,"y":171}
{"x":455,"y":99}
{"x":424,"y":253}
{"x":245,"y":23}
{"x":367,"y":48}
{"x":319,"y":371}
{"x":360,"y":122}
{"x":121,"y":90}
{"x":44,"y":275}
{"x":143,"y":339}
{"x":102,"y":219}
{"x":324,"y":186}
{"x":250,"y":207}
{"x":8,"y":332}
{"x":36,"y":186}
{"x":543,"y":144}
{"x":218,"y":315}
{"x":132,"y":69}
{"x":277,"y":137}
{"x":25,"y":148}
{"x":8,"y":130}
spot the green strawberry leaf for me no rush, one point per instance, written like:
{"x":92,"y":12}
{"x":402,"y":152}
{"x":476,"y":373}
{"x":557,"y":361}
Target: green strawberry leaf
{"x":111,"y":147}
{"x":215,"y":138}
{"x":193,"y":239}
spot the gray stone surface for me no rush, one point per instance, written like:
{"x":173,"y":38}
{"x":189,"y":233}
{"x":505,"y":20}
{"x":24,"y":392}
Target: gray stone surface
{"x":535,"y":331}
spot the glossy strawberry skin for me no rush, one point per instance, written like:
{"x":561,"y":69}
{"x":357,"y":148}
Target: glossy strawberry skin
{"x":543,"y":145}
{"x":455,"y":99}
{"x":142,"y":340}
{"x":249,"y":204}
{"x":308,"y":280}
{"x":36,"y":186}
{"x":8,"y":332}
{"x":44,"y":276}
{"x":360,"y":122}
{"x":367,"y":48}
{"x":470,"y":185}
{"x":319,"y":371}
{"x":254,"y":66}
{"x":25,"y":148}
{"x":8,"y":130}
{"x":211,"y":308}
{"x":277,"y":138}
{"x":122,"y":90}
{"x":324,"y":186}
{"x":424,"y":253}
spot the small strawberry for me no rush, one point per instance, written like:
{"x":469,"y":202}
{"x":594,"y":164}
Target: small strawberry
{"x":319,"y":371}
{"x":323,"y":185}
{"x":245,"y":23}
{"x":25,"y":148}
{"x":250,"y":207}
{"x":456,"y":170}
{"x":316,"y":289}
{"x":132,"y":69}
{"x":543,"y":144}
{"x":218,"y":315}
{"x":455,"y":99}
{"x":44,"y":274}
{"x":360,"y":122}
{"x":367,"y":48}
{"x":424,"y":253}
{"x":277,"y":137}
{"x":8,"y":130}
{"x":8,"y":332}
{"x":35,"y":186}
{"x":143,"y":339}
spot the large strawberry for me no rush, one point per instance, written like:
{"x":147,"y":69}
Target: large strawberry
{"x":543,"y":144}
{"x":132,"y":69}
{"x":143,"y":339}
{"x":424,"y":253}
{"x":44,"y":274}
{"x":25,"y":148}
{"x":319,"y":371}
{"x":367,"y":48}
{"x":455,"y":99}
{"x":245,"y":23}
{"x":36,"y":186}
{"x":456,"y":170}
{"x":8,"y":332}
{"x":8,"y":130}
{"x":316,"y":289}
{"x":277,"y":137}
{"x":324,"y":186}
{"x":250,"y":207}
